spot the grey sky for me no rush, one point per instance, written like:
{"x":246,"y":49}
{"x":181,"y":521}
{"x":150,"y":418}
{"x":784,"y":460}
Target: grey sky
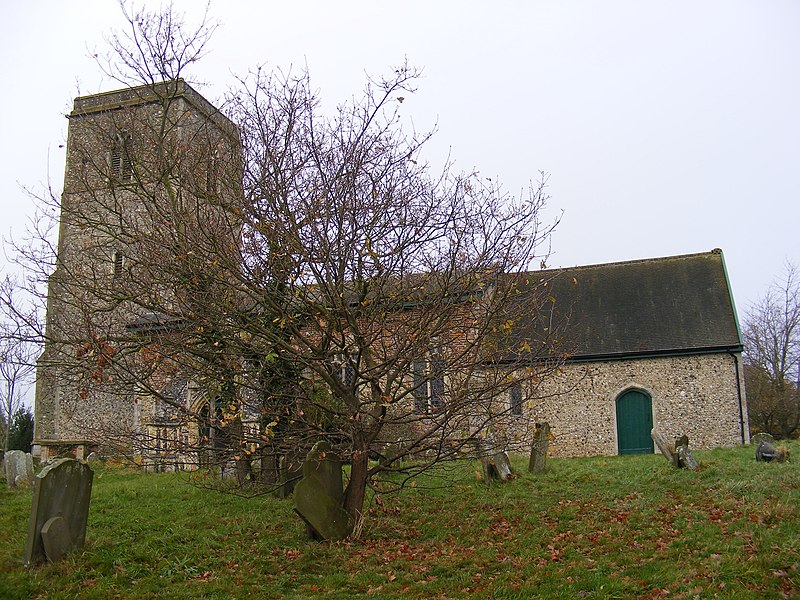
{"x":666,"y":127}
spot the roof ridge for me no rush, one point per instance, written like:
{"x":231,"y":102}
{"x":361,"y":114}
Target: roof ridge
{"x":715,"y":251}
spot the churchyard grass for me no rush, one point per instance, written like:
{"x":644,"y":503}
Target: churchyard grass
{"x":617,"y":527}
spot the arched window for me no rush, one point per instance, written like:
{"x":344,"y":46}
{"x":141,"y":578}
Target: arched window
{"x":515,"y":399}
{"x":428,"y":385}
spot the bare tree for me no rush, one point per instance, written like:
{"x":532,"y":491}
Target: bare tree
{"x":772,"y":354}
{"x":17,"y":356}
{"x":280,"y":276}
{"x":390,"y":285}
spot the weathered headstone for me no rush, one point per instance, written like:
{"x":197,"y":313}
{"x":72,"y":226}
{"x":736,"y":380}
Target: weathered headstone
{"x":685,"y":457}
{"x":499,"y":466}
{"x":768,"y":452}
{"x":59,"y":511}
{"x":667,"y":450}
{"x":539,"y":448}
{"x":678,"y":454}
{"x":496,"y":466}
{"x":290,"y":471}
{"x":318,"y":496}
{"x":756,"y":439}
{"x":18,"y":467}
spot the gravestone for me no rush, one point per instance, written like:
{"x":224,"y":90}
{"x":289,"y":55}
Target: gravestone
{"x":685,"y":457}
{"x":756,"y":439}
{"x":18,"y":467}
{"x":496,"y":466}
{"x":290,"y":471}
{"x":666,"y":450}
{"x":539,"y":448}
{"x":319,"y":494}
{"x":768,"y":452}
{"x":59,"y":511}
{"x":678,"y":453}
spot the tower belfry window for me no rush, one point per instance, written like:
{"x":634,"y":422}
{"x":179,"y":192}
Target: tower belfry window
{"x":119,"y":262}
{"x":120,"y":163}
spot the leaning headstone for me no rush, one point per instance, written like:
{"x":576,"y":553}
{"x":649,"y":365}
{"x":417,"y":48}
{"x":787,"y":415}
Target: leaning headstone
{"x":678,"y":454}
{"x":496,"y":466}
{"x":667,"y":450}
{"x":59,"y":511}
{"x":318,"y":496}
{"x":768,"y":452}
{"x":539,"y":448}
{"x":685,"y":457}
{"x":18,"y":466}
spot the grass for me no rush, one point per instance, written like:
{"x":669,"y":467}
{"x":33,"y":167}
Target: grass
{"x":618,"y":527}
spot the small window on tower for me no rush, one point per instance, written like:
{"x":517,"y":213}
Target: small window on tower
{"x":121,"y":164}
{"x":119,"y":263}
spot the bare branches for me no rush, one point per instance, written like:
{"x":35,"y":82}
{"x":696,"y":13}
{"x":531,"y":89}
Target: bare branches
{"x":232,"y":289}
{"x":772,"y":356}
{"x":772,"y":328}
{"x":154,"y":46}
{"x":18,"y":353}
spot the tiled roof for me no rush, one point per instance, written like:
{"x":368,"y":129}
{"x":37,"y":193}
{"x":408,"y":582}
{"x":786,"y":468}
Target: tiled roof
{"x":669,"y":305}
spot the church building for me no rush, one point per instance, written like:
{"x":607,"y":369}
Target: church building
{"x":651,"y":343}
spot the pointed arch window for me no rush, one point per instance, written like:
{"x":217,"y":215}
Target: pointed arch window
{"x":515,"y":399}
{"x":429,"y":391}
{"x":344,"y":368}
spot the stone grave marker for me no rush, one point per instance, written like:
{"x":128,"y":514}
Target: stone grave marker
{"x":685,"y":457}
{"x":539,"y":448}
{"x":664,"y":447}
{"x":18,"y":466}
{"x":766,"y":451}
{"x":756,"y":439}
{"x":290,"y":471}
{"x":59,"y":511}
{"x":496,"y":466}
{"x":318,"y":496}
{"x":678,"y":453}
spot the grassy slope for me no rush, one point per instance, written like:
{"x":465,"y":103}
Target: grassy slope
{"x":596,"y":528}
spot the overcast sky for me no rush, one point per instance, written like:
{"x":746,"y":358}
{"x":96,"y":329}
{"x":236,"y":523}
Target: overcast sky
{"x":665,"y":127}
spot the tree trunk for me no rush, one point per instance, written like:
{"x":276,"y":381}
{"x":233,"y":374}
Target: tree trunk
{"x":355,"y":493}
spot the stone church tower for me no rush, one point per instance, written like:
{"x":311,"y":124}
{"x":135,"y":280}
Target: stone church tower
{"x":150,"y":171}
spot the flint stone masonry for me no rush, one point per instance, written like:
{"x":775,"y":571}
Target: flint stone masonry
{"x":65,"y":408}
{"x":696,"y":395}
{"x":18,"y":467}
{"x":59,"y":511}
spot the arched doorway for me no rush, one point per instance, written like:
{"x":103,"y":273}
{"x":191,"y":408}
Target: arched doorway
{"x":634,"y":422}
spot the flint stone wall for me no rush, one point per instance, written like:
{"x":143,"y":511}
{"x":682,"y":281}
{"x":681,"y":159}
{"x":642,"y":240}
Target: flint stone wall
{"x":692,"y":395}
{"x":66,"y":407}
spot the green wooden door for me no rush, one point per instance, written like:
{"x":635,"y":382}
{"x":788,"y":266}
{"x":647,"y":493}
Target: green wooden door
{"x":634,"y":422}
